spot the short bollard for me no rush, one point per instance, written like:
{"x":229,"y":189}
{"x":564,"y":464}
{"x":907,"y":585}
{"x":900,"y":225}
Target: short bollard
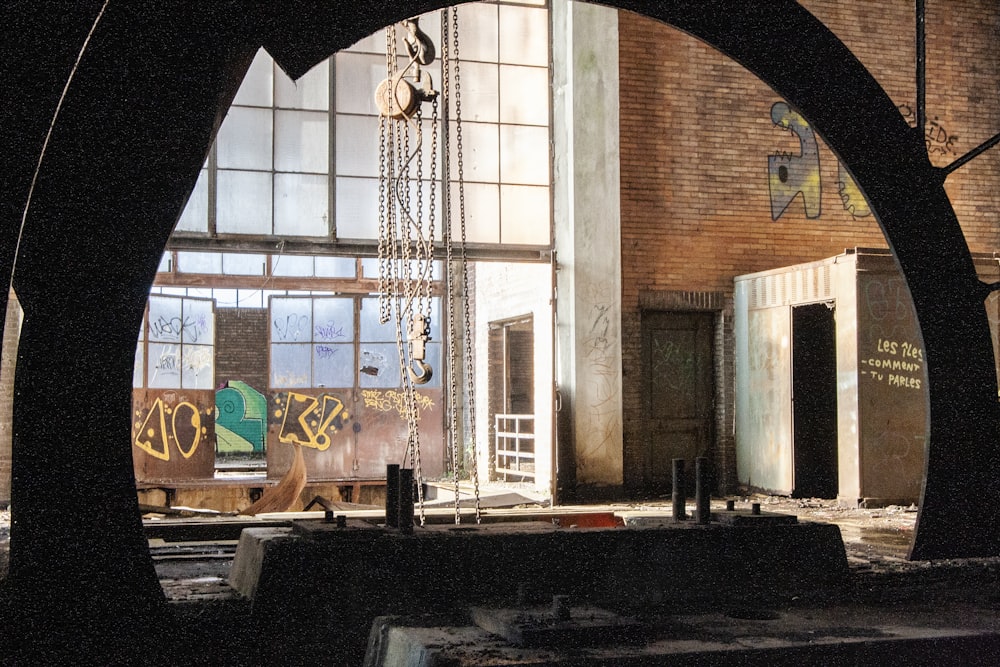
{"x":702,"y":493}
{"x":406,"y":500}
{"x":392,"y":495}
{"x":679,"y":496}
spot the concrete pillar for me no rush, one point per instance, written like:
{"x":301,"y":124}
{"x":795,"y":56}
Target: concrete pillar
{"x":8,"y":359}
{"x":587,"y":237}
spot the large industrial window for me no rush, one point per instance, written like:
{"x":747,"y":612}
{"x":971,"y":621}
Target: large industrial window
{"x":289,"y":163}
{"x":313,"y":344}
{"x":176,"y":348}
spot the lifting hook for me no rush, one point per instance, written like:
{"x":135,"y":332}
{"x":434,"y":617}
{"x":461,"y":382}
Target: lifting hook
{"x":425,"y":374}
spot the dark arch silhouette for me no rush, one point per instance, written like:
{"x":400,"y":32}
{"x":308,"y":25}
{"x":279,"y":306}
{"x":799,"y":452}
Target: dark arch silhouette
{"x":135,"y":125}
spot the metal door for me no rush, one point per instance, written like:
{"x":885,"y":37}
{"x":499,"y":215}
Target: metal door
{"x":677,"y":392}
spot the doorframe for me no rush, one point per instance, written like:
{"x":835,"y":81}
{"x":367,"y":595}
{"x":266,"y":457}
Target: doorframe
{"x":723,"y":440}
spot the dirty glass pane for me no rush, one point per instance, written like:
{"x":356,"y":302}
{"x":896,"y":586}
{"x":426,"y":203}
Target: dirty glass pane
{"x":197,"y":367}
{"x":371,"y":330}
{"x":524,"y":36}
{"x":333,"y":365}
{"x":481,"y":152}
{"x":199,"y":323}
{"x":526,"y":215}
{"x":379,"y":365}
{"x":199,"y":262}
{"x":166,"y":264}
{"x":478,"y":19}
{"x":165,"y":323}
{"x":291,"y":366}
{"x":335,"y":267}
{"x":482,"y":214}
{"x":357,"y":208}
{"x":291,"y":265}
{"x":479,"y":92}
{"x":357,"y":78}
{"x":301,"y":141}
{"x":333,"y":320}
{"x":244,"y":202}
{"x":291,"y":320}
{"x":256,"y":88}
{"x":194,"y":218}
{"x":237,"y":264}
{"x":164,"y":366}
{"x":524,"y":154}
{"x":524,"y":95}
{"x":245,"y":139}
{"x":301,"y":205}
{"x":357,"y":145}
{"x":311,"y":91}
{"x":138,"y":375}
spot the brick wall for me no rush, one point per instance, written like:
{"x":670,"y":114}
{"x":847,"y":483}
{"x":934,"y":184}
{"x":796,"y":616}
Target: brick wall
{"x":241,"y":346}
{"x":696,"y":134}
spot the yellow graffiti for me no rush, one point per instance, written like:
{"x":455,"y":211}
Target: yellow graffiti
{"x":153,"y":437}
{"x":384,"y":401}
{"x":307,"y":423}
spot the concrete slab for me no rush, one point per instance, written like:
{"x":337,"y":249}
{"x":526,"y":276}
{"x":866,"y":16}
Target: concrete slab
{"x":955,"y":634}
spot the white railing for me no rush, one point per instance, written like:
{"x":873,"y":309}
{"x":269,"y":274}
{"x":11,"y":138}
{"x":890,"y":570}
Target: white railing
{"x":515,"y":445}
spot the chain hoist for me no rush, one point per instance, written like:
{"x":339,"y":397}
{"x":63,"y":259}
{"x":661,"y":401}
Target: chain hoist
{"x":406,"y":243}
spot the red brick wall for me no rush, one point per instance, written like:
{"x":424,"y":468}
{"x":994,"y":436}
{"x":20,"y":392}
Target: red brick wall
{"x":696,"y":133}
{"x":241,"y":346}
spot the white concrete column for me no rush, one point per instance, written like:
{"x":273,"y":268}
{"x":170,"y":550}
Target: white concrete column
{"x":588,"y":241}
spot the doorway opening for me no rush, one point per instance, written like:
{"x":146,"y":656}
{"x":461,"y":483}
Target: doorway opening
{"x":512,"y":399}
{"x":814,"y":401}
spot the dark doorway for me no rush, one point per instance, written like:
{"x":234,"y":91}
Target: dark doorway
{"x":814,"y":401}
{"x":677,"y":393}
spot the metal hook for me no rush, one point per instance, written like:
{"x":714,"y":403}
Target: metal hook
{"x":426,"y":372}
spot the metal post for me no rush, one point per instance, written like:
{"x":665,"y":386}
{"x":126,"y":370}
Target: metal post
{"x":392,"y":495}
{"x":679,"y":496}
{"x":406,"y":500}
{"x":702,"y":494}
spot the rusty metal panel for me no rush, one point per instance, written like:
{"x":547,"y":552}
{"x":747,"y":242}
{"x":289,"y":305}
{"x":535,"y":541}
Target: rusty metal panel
{"x":892,"y":385}
{"x":344,"y":437}
{"x":173,"y":434}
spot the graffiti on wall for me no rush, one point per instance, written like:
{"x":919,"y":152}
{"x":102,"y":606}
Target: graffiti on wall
{"x":240,"y":419}
{"x":391,"y":400}
{"x":790,"y":175}
{"x":310,"y":421}
{"x":895,"y":363}
{"x":172,"y":328}
{"x":938,"y":140}
{"x":164,"y":425}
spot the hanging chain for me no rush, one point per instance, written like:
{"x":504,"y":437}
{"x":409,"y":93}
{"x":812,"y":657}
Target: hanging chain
{"x":451,"y":403}
{"x":387,"y":227}
{"x":470,"y":365}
